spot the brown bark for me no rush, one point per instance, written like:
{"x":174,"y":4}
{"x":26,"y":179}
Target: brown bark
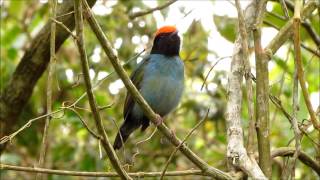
{"x":31,"y":67}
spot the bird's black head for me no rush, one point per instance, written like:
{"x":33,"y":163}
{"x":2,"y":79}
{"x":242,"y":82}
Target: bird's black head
{"x":166,"y":42}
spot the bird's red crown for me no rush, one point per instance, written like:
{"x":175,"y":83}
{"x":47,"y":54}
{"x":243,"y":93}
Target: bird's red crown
{"x":166,"y":29}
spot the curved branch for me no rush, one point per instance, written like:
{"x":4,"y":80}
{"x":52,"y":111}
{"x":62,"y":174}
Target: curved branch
{"x":142,"y":13}
{"x":303,"y":157}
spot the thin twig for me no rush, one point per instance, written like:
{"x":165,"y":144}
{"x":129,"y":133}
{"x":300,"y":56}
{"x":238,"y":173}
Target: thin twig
{"x":99,"y":174}
{"x":142,"y":141}
{"x":143,"y":13}
{"x":45,"y":138}
{"x":205,"y":79}
{"x":64,"y":27}
{"x":110,"y":52}
{"x":297,"y":54}
{"x":281,"y":84}
{"x":183,"y":141}
{"x":85,"y":124}
{"x":284,"y":8}
{"x":296,"y":22}
{"x":66,"y":14}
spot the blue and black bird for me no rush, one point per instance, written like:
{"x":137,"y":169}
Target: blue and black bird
{"x":160,"y":80}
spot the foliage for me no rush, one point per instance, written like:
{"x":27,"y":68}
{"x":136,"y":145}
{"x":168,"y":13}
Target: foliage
{"x":73,"y":148}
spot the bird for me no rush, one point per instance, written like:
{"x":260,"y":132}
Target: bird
{"x":159,"y":77}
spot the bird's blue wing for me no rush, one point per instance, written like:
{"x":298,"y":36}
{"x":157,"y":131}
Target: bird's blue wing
{"x":136,"y":78}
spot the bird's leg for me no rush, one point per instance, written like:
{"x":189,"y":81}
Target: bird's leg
{"x":159,"y":120}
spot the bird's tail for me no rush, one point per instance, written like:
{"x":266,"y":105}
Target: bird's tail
{"x":125,"y":130}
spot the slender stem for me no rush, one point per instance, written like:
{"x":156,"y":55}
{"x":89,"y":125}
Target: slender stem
{"x":262,"y":96}
{"x":297,"y":55}
{"x":106,"y":45}
{"x":183,"y":141}
{"x":298,"y":61}
{"x":149,"y":11}
{"x":93,"y":104}
{"x":99,"y":174}
{"x":45,"y":138}
{"x":284,"y":8}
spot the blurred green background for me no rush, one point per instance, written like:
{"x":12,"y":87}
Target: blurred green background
{"x":208,"y":29}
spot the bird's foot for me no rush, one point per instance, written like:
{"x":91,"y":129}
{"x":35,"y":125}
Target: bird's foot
{"x":159,"y":120}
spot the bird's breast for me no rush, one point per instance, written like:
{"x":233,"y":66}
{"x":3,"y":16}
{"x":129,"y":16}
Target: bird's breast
{"x":163,"y":84}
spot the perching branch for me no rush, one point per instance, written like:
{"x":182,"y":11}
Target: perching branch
{"x":93,"y":104}
{"x":45,"y":143}
{"x":236,"y":152}
{"x":143,"y":13}
{"x":106,"y":45}
{"x":99,"y":174}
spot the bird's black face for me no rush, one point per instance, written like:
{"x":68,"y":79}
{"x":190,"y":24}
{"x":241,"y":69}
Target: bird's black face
{"x":167,"y":44}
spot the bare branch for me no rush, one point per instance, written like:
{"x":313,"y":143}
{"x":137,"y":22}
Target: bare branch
{"x":93,"y":104}
{"x":303,"y":157}
{"x":286,"y":31}
{"x":64,"y":27}
{"x":99,"y":174}
{"x":297,"y":54}
{"x":262,"y":95}
{"x":45,"y":142}
{"x":298,"y":63}
{"x":143,"y":13}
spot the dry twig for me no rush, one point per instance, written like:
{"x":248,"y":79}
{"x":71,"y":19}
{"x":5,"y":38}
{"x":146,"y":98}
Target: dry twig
{"x":45,"y":141}
{"x":183,"y":141}
{"x":143,"y":13}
